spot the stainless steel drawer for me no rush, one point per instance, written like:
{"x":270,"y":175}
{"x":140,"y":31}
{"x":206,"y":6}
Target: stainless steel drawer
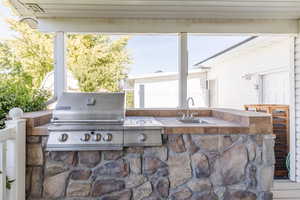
{"x":143,"y":138}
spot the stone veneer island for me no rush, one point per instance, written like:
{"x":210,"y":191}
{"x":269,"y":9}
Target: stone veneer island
{"x":191,"y":165}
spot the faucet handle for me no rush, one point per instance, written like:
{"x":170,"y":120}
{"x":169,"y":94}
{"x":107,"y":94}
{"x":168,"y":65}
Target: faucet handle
{"x":183,"y":115}
{"x":194,"y":113}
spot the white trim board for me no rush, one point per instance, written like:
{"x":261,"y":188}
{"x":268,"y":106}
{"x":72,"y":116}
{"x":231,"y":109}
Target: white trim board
{"x":115,"y":25}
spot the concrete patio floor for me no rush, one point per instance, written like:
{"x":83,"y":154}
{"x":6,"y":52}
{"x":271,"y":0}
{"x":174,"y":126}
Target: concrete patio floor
{"x":286,"y":190}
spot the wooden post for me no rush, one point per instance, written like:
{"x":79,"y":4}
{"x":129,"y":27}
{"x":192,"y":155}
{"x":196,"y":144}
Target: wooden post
{"x":59,"y":64}
{"x":183,"y":69}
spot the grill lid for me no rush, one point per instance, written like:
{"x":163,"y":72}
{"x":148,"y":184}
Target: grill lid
{"x":90,"y":108}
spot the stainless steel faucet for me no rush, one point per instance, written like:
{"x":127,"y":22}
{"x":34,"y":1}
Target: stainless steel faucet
{"x":188,"y":115}
{"x":188,"y":102}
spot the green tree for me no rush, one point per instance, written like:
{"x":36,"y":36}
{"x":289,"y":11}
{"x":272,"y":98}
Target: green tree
{"x":96,"y":61}
{"x":28,"y":56}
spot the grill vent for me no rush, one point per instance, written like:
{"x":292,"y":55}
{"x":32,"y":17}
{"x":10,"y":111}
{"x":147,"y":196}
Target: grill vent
{"x":35,"y":8}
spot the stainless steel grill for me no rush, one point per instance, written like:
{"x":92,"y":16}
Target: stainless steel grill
{"x":96,"y":121}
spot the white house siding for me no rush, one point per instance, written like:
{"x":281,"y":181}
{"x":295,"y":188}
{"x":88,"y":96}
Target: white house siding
{"x":163,"y":92}
{"x":297,"y":106}
{"x":262,"y":56}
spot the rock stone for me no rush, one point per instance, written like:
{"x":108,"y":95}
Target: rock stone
{"x":200,"y":165}
{"x":158,"y":152}
{"x":176,"y":144}
{"x":189,"y":144}
{"x":112,"y":155}
{"x":151,"y":164}
{"x":28,"y":180}
{"x":33,"y":139}
{"x":251,"y":150}
{"x":268,"y":151}
{"x":207,"y":142}
{"x":233,"y":163}
{"x":142,"y":191}
{"x":138,"y":150}
{"x":240,"y":186}
{"x":89,"y":158}
{"x":252,"y":182}
{"x":153,"y":197}
{"x":240,"y":195}
{"x":135,"y":180}
{"x":162,"y":187}
{"x":78,"y":189}
{"x":201,"y":185}
{"x":135,"y":163}
{"x":181,"y":194}
{"x":80,"y":174}
{"x":34,"y":154}
{"x":68,"y":157}
{"x":266,"y":174}
{"x":54,"y":167}
{"x":102,"y":187}
{"x":220,"y":191}
{"x":259,"y":139}
{"x":226,"y":141}
{"x":36,"y":182}
{"x":124,"y":195}
{"x":206,"y":196}
{"x":54,"y":186}
{"x":179,"y":169}
{"x":114,"y":169}
{"x":258,"y":157}
{"x":267,"y":196}
{"x":44,"y":141}
{"x":162,"y":172}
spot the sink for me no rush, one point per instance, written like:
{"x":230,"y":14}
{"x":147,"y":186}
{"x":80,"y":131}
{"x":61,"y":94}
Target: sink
{"x":193,"y":121}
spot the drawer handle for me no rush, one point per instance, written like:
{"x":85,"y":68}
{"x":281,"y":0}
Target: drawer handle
{"x":142,"y":137}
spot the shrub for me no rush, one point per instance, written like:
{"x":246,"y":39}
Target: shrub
{"x":15,"y":94}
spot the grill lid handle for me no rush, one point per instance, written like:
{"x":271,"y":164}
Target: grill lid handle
{"x":91,"y":101}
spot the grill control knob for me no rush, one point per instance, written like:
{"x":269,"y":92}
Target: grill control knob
{"x":142,"y":137}
{"x":96,"y":137}
{"x":86,"y":137}
{"x":107,"y":137}
{"x":63,"y":137}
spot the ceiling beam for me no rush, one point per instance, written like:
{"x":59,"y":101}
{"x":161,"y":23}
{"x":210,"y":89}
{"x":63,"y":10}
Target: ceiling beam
{"x":127,"y":26}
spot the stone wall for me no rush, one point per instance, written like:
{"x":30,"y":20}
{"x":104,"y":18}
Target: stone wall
{"x":188,"y":166}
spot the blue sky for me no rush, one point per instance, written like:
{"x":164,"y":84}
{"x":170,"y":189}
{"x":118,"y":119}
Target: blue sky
{"x":151,"y":53}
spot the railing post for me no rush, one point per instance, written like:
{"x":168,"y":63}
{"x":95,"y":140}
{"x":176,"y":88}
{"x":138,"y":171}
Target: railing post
{"x":20,"y":152}
{"x":3,"y":170}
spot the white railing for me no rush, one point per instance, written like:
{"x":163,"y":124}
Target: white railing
{"x":13,"y":156}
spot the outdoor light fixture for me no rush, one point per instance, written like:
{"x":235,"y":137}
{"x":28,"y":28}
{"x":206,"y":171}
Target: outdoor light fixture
{"x":33,"y":23}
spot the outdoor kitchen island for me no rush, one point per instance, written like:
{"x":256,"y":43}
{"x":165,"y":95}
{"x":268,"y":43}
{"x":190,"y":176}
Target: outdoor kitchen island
{"x":229,"y":157}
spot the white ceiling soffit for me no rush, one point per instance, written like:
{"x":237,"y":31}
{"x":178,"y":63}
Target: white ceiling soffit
{"x":170,"y":9}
